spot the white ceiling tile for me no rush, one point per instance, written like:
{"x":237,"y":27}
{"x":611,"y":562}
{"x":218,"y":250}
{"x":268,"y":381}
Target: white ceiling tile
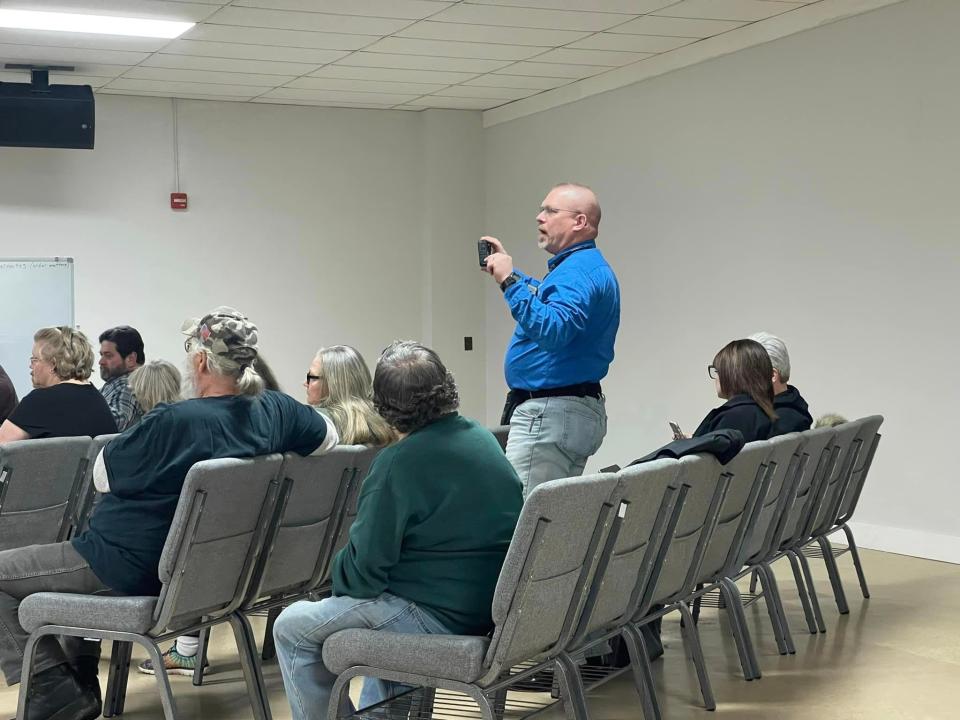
{"x":631,"y":43}
{"x":206,"y":76}
{"x":744,"y":10}
{"x":322,"y":103}
{"x":518,"y":81}
{"x":432,"y":77}
{"x":676,"y":27}
{"x":172,"y":86}
{"x":339,"y":95}
{"x":81,"y":40}
{"x":591,"y":57}
{"x":496,"y":93}
{"x":310,"y":21}
{"x":68,"y":56}
{"x":308,"y":56}
{"x":421,"y":62}
{"x":402,"y":9}
{"x":466,"y":32}
{"x":557,"y":70}
{"x":452,"y":103}
{"x":177,"y":94}
{"x":279,"y":38}
{"x":529,"y":17}
{"x":441,"y":48}
{"x":191,"y":62}
{"x":154,"y":9}
{"x":19,"y":76}
{"x":629,"y":7}
{"x":375,"y":86}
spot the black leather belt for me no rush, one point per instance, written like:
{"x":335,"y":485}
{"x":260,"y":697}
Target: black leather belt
{"x":590,"y":389}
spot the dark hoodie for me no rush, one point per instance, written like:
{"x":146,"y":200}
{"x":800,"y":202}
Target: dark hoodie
{"x":738,"y":413}
{"x":792,"y":412}
{"x":8,"y":396}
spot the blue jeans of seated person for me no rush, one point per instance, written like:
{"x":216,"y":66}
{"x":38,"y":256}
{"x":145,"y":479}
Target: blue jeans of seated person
{"x":552,"y":438}
{"x":301,"y":629}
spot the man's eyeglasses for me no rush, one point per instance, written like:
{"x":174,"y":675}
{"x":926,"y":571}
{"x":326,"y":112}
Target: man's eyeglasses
{"x":553,"y":211}
{"x":312,"y":378}
{"x":712,"y":372}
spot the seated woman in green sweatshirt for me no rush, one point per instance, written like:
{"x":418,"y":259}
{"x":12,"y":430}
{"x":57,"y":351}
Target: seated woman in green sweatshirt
{"x":434,"y":520}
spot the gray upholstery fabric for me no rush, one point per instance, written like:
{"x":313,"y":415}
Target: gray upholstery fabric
{"x":866,"y":437}
{"x":529,"y":616}
{"x":500,"y":433}
{"x":453,"y":657}
{"x":89,"y":497}
{"x":745,"y":470}
{"x":362,"y":462}
{"x":844,"y":454}
{"x":781,"y":465}
{"x":97,"y":612}
{"x":815,"y":444}
{"x":41,"y":476}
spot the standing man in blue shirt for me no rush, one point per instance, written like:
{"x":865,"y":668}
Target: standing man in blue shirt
{"x":563,"y":343}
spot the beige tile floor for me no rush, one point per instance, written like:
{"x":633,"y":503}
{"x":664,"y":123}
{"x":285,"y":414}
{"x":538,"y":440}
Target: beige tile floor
{"x":894,"y":656}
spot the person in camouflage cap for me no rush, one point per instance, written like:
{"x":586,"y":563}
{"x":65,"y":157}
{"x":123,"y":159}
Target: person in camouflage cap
{"x":222,"y":347}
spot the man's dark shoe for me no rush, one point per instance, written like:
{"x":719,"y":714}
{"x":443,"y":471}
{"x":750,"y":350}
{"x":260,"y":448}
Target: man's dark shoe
{"x":55,"y":694}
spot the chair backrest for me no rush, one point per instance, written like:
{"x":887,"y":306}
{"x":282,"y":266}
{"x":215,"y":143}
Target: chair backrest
{"x":39,"y":483}
{"x":783,"y":462}
{"x":707,"y":487}
{"x":88,"y":496}
{"x":650,"y":504}
{"x":500,"y":433}
{"x":217,"y":531}
{"x":844,"y":453}
{"x":363,"y":459}
{"x":548,"y":568}
{"x":747,"y":489}
{"x":816,"y":455}
{"x":312,"y":500}
{"x":866,"y":441}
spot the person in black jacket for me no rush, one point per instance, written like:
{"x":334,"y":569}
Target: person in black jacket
{"x":742,"y":372}
{"x":792,"y":411}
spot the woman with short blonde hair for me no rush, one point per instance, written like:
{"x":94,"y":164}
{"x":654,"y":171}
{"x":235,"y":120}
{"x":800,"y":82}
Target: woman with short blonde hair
{"x":155,"y":382}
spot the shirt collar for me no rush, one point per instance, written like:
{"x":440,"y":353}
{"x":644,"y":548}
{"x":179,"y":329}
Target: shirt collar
{"x":560,"y":257}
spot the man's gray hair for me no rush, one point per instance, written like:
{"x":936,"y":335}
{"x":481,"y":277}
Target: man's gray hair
{"x":777,"y":350}
{"x":412,"y":388}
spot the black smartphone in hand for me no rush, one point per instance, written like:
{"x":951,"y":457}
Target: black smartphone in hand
{"x":484,"y":249}
{"x":677,"y":432}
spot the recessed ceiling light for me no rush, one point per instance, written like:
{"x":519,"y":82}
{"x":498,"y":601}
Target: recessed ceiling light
{"x":97,"y":24}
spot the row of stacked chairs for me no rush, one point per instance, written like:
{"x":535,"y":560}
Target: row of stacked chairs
{"x":592,"y":559}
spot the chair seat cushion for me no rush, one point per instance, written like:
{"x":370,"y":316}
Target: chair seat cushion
{"x":97,"y":612}
{"x":452,"y":657}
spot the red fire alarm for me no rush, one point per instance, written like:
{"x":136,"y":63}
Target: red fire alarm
{"x":178,"y":201}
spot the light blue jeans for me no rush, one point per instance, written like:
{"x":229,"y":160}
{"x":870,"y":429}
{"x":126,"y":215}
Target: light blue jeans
{"x":302,"y":628}
{"x":552,"y":437}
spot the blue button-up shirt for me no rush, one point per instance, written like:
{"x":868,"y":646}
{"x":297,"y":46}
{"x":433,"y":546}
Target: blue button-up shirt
{"x":566,"y":324}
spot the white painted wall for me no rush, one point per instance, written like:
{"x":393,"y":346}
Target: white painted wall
{"x":312,"y":221}
{"x":807,"y":187}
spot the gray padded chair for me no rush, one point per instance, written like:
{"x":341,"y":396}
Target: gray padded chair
{"x":206,"y":566}
{"x":678,"y":574}
{"x":541,"y":592}
{"x":863,"y":449}
{"x":89,"y":496}
{"x":40,"y":484}
{"x":501,"y":432}
{"x":651,"y":500}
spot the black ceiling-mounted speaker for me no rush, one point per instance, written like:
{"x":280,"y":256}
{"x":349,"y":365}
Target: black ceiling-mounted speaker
{"x":38,"y":114}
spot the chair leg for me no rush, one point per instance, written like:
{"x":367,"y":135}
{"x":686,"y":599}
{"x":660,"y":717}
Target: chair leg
{"x":269,"y":649}
{"x":421,"y":708}
{"x":741,"y":634}
{"x":778,"y":616}
{"x":802,"y":592}
{"x":642,"y":673}
{"x":812,"y":591}
{"x":851,"y":543}
{"x":202,"y":647}
{"x":117,"y":675}
{"x":163,"y":680}
{"x":834,"y":572}
{"x":26,"y":676}
{"x":246,"y":648}
{"x":692,"y":637}
{"x":571,"y":688}
{"x":753,"y":581}
{"x":340,"y":705}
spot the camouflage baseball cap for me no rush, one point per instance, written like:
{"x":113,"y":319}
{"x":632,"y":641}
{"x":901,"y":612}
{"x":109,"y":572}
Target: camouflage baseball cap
{"x":225,"y":332}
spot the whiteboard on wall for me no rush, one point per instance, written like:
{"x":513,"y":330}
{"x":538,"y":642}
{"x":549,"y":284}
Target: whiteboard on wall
{"x":34,"y":293}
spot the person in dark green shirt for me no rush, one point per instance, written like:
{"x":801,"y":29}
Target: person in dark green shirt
{"x":434,"y":519}
{"x":140,"y":474}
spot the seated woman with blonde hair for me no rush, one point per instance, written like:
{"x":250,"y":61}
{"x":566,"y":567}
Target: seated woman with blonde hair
{"x":340,"y":386}
{"x":156,"y":382}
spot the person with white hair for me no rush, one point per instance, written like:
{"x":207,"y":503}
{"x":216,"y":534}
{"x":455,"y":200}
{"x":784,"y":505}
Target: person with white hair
{"x":793,"y":414}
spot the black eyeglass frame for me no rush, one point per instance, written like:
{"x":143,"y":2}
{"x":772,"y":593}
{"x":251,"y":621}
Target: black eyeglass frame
{"x":713,"y":372}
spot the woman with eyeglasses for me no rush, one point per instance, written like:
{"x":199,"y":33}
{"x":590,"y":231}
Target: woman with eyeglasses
{"x":741,"y":372}
{"x":340,"y":386}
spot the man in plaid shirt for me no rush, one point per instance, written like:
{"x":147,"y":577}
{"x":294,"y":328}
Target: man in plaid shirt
{"x":121,"y":352}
